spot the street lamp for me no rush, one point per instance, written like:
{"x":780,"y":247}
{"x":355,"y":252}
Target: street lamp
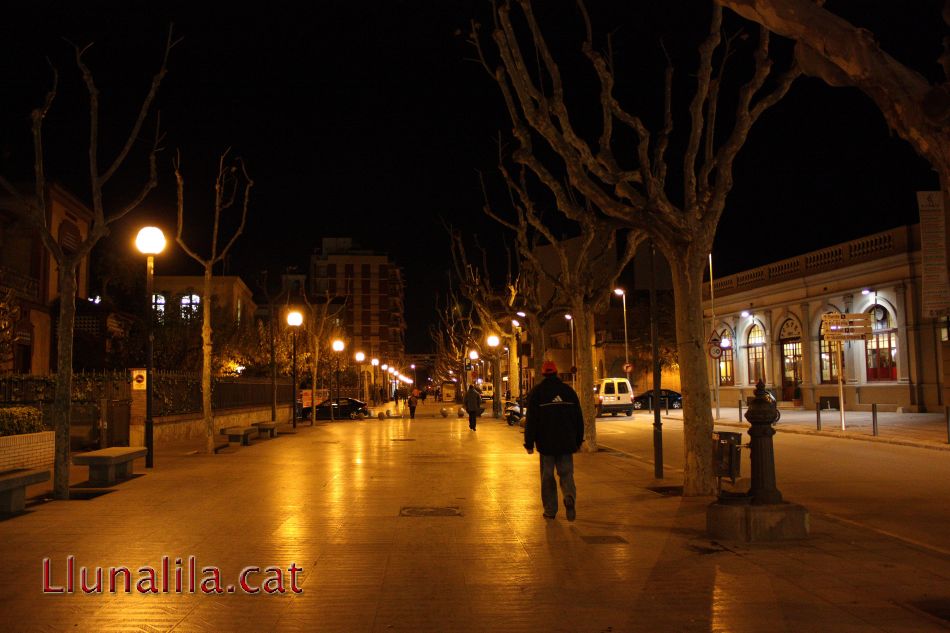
{"x":150,"y":241}
{"x":626,"y":351}
{"x":415,"y":378}
{"x":473,"y":356}
{"x":294,"y":319}
{"x":360,"y":357}
{"x":338,"y":346}
{"x":375,"y":363}
{"x":570,"y":320}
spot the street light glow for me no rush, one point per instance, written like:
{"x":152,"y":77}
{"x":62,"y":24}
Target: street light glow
{"x":360,"y":357}
{"x":338,"y":345}
{"x":473,"y":355}
{"x":567,"y":316}
{"x":619,"y":292}
{"x":375,"y":362}
{"x":521,"y":314}
{"x":294,"y":318}
{"x":515,"y":323}
{"x":150,"y":240}
{"x":493,"y":341}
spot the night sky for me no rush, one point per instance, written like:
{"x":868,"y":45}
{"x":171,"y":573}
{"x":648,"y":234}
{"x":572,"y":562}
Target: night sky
{"x":367,"y":119}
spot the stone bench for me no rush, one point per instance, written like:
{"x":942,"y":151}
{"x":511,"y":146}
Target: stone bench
{"x":265,"y":427}
{"x":239,"y":434}
{"x":107,"y":465}
{"x":13,"y":485}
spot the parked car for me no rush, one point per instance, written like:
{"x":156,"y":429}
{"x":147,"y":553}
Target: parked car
{"x":342,"y":408}
{"x":613,"y":395}
{"x":668,"y":398}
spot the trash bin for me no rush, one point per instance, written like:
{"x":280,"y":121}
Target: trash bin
{"x":726,"y":454}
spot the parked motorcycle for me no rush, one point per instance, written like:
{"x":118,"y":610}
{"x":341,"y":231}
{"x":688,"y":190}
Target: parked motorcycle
{"x":513,"y":413}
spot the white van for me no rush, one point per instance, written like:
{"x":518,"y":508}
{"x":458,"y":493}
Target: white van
{"x":488,"y":390}
{"x":613,"y":395}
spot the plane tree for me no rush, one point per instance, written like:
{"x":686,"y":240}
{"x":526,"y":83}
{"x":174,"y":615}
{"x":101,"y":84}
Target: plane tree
{"x":639,"y":171}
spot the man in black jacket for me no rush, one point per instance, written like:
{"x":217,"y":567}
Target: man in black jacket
{"x":555,"y":425}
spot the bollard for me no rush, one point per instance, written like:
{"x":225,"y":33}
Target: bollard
{"x":818,"y":414}
{"x":874,"y":419}
{"x":740,"y":409}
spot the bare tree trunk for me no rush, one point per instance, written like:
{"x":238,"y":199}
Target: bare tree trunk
{"x":206,"y":333}
{"x":687,"y":272}
{"x":584,"y":379}
{"x":62,"y":397}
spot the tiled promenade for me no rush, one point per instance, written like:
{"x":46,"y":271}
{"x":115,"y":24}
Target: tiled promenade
{"x":331,"y":499}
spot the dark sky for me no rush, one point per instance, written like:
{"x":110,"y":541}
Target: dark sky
{"x":365,"y":119}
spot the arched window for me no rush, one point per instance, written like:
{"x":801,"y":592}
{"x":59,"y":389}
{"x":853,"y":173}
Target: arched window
{"x":828,"y":358}
{"x":790,"y":337}
{"x":755,"y":353}
{"x":727,"y":376}
{"x":881,"y":346}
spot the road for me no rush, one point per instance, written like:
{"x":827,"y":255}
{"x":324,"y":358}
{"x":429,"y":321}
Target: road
{"x":901,"y":491}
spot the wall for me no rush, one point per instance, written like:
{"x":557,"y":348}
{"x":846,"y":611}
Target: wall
{"x":192,"y":426}
{"x":31,"y":450}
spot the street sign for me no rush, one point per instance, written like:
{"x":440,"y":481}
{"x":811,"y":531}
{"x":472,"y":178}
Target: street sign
{"x":846,"y":327}
{"x":714,"y":340}
{"x":627,"y":368}
{"x":138,"y":379}
{"x":715,"y":351}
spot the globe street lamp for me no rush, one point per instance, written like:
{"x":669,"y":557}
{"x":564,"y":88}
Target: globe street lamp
{"x":473,"y":356}
{"x":493,"y":342}
{"x":294,"y":319}
{"x":360,"y":357}
{"x":415,"y":379}
{"x":626,"y":352}
{"x":375,"y":363}
{"x":150,"y":241}
{"x":338,"y":346}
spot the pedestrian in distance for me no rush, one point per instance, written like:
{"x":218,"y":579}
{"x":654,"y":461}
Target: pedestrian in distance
{"x":473,"y":404}
{"x":412,"y":401}
{"x":555,"y":426}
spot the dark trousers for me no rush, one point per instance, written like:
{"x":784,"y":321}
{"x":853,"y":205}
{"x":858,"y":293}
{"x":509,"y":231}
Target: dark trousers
{"x":412,"y":412}
{"x":564,"y":464}
{"x":471,"y":420}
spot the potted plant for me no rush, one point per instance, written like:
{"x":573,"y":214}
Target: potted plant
{"x":797,"y":396}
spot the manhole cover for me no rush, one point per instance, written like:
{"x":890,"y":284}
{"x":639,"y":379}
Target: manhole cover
{"x":667,"y":491}
{"x":417,"y":511}
{"x":603,"y":539}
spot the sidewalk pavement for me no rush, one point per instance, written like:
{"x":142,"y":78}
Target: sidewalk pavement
{"x":423,"y":525}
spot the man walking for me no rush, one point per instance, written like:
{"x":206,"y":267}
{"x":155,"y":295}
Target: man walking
{"x":473,"y":404}
{"x":556,"y":426}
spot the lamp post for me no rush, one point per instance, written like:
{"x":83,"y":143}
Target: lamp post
{"x":385,"y":369}
{"x":375,"y":363}
{"x":626,"y":349}
{"x":338,"y":346}
{"x":493,"y":342}
{"x":150,"y":241}
{"x":517,"y":327}
{"x":294,"y":319}
{"x":570,"y":320}
{"x":473,"y":356}
{"x":360,"y":357}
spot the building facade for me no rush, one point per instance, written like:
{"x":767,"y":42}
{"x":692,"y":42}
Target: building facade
{"x":374,"y":288}
{"x":30,"y":274}
{"x":768,"y":321}
{"x":184,"y":293}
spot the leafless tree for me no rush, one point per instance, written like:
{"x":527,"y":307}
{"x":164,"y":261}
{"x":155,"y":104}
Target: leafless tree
{"x":36,"y":210}
{"x":232,"y":186}
{"x":628,"y":180}
{"x":321,"y":320}
{"x":841,"y":54}
{"x":450,"y":337}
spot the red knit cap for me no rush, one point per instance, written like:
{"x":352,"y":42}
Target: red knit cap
{"x":548,"y":367}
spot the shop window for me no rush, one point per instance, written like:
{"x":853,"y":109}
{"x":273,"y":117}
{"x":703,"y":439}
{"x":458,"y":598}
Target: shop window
{"x":881,"y":346}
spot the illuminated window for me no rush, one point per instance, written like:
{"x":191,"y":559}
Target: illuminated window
{"x":190,"y":305}
{"x":727,"y":376}
{"x":881,"y":346}
{"x":755,"y":353}
{"x":158,"y":304}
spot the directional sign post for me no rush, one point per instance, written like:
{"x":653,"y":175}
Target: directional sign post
{"x":844,"y":327}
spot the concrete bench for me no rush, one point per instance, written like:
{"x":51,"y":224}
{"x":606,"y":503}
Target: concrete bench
{"x":239,"y":434}
{"x":265,"y":427}
{"x":13,"y":485}
{"x":110,"y":464}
